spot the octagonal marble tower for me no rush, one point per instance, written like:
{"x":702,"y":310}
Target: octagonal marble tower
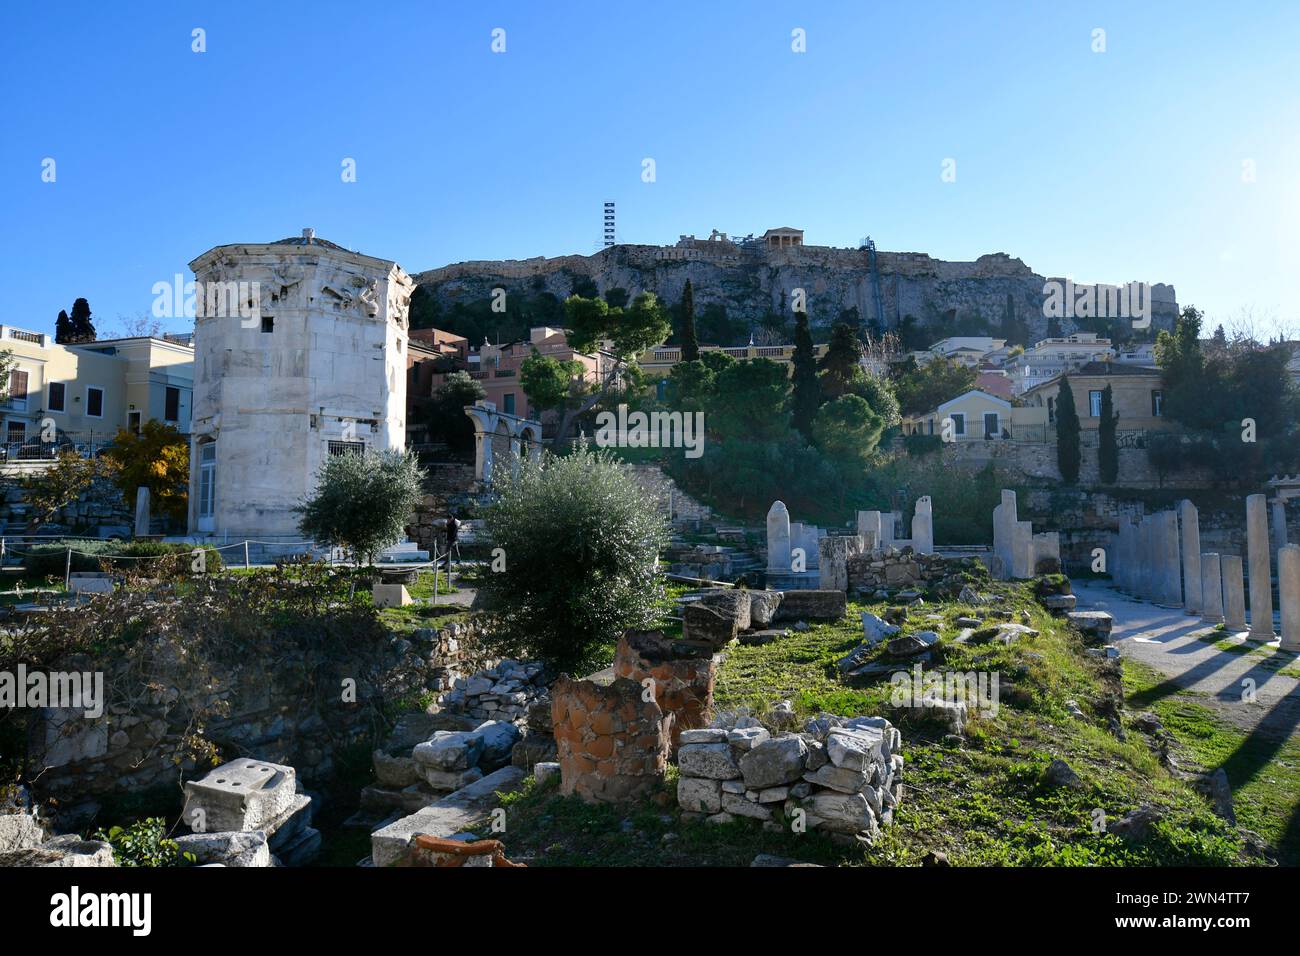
{"x":299,"y":353}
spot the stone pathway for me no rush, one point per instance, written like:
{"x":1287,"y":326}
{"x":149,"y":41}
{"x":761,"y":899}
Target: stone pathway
{"x":1170,"y":641}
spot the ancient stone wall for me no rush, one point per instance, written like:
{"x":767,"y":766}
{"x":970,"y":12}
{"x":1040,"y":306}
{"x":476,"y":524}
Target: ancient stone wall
{"x":612,"y":744}
{"x":1037,"y":461}
{"x":683,"y":686}
{"x":893,"y":569}
{"x":274,"y":713}
{"x":99,"y":511}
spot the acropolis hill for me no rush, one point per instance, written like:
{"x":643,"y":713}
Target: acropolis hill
{"x":758,"y":277}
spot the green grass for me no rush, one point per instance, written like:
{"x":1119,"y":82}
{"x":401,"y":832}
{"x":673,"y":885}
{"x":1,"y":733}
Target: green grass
{"x":980,"y":801}
{"x":1264,"y":771}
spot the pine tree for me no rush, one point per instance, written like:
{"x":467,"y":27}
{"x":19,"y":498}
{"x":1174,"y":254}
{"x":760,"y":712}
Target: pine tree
{"x":807,"y":390}
{"x":690,"y":344}
{"x":83,"y":330}
{"x":841,"y":362}
{"x":1067,"y":434}
{"x":62,"y":328}
{"x":1108,"y":446}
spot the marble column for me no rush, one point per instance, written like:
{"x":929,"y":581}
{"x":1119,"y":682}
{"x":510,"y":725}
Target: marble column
{"x":923,"y":527}
{"x":1261,"y":581}
{"x":1189,"y":521}
{"x":1234,"y":594}
{"x":869,"y":528}
{"x":778,"y":539}
{"x":1004,"y":523}
{"x":1125,"y":555}
{"x":1278,"y":507}
{"x":1171,"y":566}
{"x":1288,"y":588}
{"x":1146,"y":558}
{"x":1211,"y":590}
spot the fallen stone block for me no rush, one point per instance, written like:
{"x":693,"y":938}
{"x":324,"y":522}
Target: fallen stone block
{"x":812,"y":605}
{"x":231,"y":848}
{"x":242,"y":795}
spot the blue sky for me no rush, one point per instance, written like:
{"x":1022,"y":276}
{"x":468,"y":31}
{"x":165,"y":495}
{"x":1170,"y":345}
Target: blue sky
{"x":1107,"y":167}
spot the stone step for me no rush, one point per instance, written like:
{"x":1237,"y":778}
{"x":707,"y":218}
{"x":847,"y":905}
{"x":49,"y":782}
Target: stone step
{"x":451,"y":815}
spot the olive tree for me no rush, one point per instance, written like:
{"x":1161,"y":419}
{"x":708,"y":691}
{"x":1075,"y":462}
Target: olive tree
{"x":362,"y":501}
{"x":578,"y":564}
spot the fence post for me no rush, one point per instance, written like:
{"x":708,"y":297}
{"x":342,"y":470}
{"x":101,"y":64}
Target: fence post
{"x":434,"y":549}
{"x":67,"y":570}
{"x":246,"y":564}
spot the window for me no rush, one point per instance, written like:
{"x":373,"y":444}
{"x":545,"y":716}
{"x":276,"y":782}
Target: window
{"x":268,"y":323}
{"x":172,"y":405}
{"x":133,"y":422}
{"x":58,"y":396}
{"x":17,"y":388}
{"x":510,"y":403}
{"x":959,"y":423}
{"x":16,"y":431}
{"x":94,"y":402}
{"x":990,"y":424}
{"x":347,"y":447}
{"x":1157,"y":402}
{"x":1094,"y":403}
{"x":207,"y":482}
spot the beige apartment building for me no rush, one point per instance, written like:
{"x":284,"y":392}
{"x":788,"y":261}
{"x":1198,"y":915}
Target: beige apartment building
{"x":88,"y":392}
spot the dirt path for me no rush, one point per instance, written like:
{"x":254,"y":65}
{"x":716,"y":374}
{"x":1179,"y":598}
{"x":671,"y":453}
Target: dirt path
{"x":1173,"y":643}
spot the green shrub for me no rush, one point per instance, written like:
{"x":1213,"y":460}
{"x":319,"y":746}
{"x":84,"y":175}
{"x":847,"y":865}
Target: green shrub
{"x":361,"y":502}
{"x":144,"y":843}
{"x":920,"y":445}
{"x":50,"y":560}
{"x":580,"y":540}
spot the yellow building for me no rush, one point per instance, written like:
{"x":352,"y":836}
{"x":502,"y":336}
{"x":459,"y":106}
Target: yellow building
{"x":979,"y":416}
{"x":83,"y":394}
{"x":1137,"y":394}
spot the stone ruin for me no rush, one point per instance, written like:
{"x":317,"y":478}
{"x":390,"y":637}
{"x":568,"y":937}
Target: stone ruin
{"x":682,"y":674}
{"x":502,"y":692}
{"x":1019,"y":553}
{"x":613,"y":743}
{"x":1159,"y":559}
{"x":841,"y":774}
{"x":249,"y":813}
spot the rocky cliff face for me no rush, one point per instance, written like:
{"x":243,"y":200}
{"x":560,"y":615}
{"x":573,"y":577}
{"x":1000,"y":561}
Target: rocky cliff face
{"x":988,"y":296}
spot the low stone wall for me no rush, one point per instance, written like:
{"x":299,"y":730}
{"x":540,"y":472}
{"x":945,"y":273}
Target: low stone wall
{"x":839,"y":775}
{"x":502,"y":692}
{"x":890,"y":568}
{"x":612,"y":744}
{"x":274,"y":713}
{"x":99,"y":511}
{"x":1037,"y":460}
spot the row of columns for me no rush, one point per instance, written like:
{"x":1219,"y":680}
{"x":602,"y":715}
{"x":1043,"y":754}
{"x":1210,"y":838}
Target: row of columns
{"x":1160,"y":559}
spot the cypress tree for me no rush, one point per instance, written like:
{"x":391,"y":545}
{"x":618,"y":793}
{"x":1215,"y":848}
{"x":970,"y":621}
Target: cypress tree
{"x":1108,"y":445}
{"x":690,"y":344}
{"x":1067,"y":434}
{"x":62,"y":328}
{"x":807,"y":390}
{"x":83,"y":330}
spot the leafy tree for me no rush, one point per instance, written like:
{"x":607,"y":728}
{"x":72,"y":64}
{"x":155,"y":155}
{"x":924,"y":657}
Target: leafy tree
{"x":879,"y":394}
{"x":807,"y":397}
{"x":847,"y":429}
{"x":444,"y":412}
{"x":751,"y":400}
{"x":1108,"y":446}
{"x":842,"y":360}
{"x":591,"y":323}
{"x":157,"y":458}
{"x":1068,"y":454}
{"x":548,"y":382}
{"x":82,"y":328}
{"x":47,"y":492}
{"x":362,"y":501}
{"x":923,"y":388}
{"x":1165,"y":452}
{"x":691,"y":386}
{"x":717,"y":361}
{"x":616,"y":297}
{"x":690,"y":344}
{"x":581,"y":541}
{"x":715,"y":327}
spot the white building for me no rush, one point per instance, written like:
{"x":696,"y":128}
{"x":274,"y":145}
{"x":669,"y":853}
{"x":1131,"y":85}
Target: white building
{"x":1052,"y":357}
{"x":312,"y":364}
{"x":1143,"y":355}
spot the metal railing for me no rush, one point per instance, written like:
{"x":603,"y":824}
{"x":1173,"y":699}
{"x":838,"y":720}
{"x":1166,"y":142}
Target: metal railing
{"x":33,"y":449}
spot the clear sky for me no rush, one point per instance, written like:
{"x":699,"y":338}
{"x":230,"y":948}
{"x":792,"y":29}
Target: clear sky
{"x":1107,"y":166}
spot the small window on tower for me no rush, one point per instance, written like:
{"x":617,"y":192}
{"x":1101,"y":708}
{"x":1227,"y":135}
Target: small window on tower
{"x":268,"y":323}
